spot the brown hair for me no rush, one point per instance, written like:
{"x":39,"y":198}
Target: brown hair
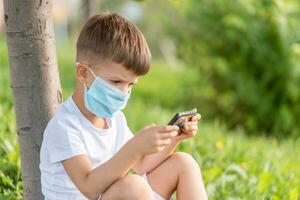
{"x":111,"y":37}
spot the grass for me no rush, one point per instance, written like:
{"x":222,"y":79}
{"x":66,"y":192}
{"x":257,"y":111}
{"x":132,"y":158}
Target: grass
{"x":234,"y":166}
{"x":10,"y":173}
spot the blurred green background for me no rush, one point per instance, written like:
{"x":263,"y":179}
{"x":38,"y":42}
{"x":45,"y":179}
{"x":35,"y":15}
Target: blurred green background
{"x":236,"y":61}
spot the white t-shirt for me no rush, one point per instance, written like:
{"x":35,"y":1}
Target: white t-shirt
{"x":69,"y":134}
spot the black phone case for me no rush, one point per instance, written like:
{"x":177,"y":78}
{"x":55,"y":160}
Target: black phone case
{"x":177,"y":116}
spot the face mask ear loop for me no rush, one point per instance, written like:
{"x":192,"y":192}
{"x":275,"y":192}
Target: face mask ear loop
{"x":85,"y":87}
{"x":92,"y":72}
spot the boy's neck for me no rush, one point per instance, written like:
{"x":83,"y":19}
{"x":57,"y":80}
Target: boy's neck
{"x":79,"y":101}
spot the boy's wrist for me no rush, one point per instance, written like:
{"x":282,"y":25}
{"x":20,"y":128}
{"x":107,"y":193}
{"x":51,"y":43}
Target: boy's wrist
{"x":133,"y":148}
{"x":176,"y":140}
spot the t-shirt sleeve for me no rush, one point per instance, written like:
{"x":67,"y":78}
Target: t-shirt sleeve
{"x":63,"y":142}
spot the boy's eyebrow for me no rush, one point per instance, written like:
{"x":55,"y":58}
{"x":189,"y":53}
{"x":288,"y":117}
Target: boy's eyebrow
{"x":120,"y":78}
{"x":117,"y":78}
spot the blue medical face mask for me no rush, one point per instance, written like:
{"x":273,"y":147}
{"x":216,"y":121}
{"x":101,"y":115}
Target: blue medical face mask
{"x":103,"y":99}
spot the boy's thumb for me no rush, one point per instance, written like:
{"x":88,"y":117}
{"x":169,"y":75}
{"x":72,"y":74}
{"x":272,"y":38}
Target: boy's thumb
{"x":150,"y":125}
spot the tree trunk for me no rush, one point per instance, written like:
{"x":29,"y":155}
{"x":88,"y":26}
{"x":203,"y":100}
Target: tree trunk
{"x":34,"y":81}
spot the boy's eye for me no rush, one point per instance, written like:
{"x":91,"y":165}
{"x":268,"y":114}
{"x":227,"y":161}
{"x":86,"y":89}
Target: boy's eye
{"x":114,"y":81}
{"x":117,"y":82}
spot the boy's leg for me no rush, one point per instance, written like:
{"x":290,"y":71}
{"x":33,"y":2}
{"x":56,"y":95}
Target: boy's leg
{"x":130,"y":187}
{"x":178,"y":172}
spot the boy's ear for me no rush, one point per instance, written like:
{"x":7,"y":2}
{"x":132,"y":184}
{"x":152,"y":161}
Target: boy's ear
{"x":81,"y":73}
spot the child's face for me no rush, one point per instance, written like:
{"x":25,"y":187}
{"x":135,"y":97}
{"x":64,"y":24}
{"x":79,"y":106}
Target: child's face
{"x":114,"y":73}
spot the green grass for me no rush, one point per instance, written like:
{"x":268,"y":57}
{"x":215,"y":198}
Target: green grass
{"x":234,"y":166}
{"x":10,"y":174}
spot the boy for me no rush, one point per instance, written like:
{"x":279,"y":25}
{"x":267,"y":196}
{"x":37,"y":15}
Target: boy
{"x":87,"y":147}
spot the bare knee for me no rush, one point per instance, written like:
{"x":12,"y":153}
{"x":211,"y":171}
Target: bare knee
{"x":184,"y":161}
{"x":133,"y":187}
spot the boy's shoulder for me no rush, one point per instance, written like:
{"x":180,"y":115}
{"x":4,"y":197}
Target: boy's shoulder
{"x":64,"y":117}
{"x":120,"y":116}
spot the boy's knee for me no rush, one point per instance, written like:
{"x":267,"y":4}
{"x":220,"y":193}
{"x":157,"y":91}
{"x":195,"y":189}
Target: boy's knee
{"x":185,"y":161}
{"x":134,"y":187}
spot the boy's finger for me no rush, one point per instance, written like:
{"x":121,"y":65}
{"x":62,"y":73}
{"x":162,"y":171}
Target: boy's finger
{"x":191,"y":123}
{"x":190,"y":127}
{"x":169,"y":134}
{"x":196,"y":117}
{"x":150,"y":125}
{"x":168,"y":128}
{"x":164,"y":142}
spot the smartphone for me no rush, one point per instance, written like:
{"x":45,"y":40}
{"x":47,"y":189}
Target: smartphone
{"x":181,"y":118}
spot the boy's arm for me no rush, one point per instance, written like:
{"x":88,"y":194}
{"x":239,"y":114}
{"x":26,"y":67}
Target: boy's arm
{"x":93,"y":182}
{"x":148,"y":162}
{"x":88,"y":180}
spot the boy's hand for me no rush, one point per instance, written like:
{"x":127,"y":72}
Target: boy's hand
{"x":189,"y":129}
{"x":155,"y":138}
